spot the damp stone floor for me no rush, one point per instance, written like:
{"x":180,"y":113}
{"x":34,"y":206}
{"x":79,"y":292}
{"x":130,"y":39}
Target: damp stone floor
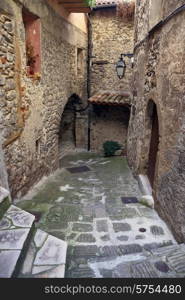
{"x":82,"y":204}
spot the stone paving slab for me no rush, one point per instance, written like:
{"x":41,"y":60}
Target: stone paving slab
{"x":85,"y":251}
{"x":82,"y":227}
{"x":102,"y":226}
{"x":86,"y":238}
{"x":13,"y":239}
{"x":143,"y":270}
{"x":14,"y":231}
{"x":121,"y":227}
{"x":87,"y":211}
{"x":40,"y":237}
{"x":8,"y":261}
{"x":177,"y":261}
{"x":170,"y":264}
{"x":57,"y":272}
{"x":53,"y":252}
{"x":19,"y":217}
{"x":46,"y":257}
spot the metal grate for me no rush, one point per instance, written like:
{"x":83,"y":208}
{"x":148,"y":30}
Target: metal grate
{"x":78,"y":169}
{"x":142,"y":229}
{"x":128,"y":200}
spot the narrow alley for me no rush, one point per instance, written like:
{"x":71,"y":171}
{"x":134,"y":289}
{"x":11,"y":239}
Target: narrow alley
{"x":92,"y":139}
{"x":87,"y":204}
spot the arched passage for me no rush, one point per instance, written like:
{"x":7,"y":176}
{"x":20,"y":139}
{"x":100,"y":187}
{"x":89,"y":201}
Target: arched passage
{"x":154,"y":141}
{"x":67,"y":136}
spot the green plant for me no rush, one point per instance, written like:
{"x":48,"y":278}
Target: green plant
{"x":90,"y":3}
{"x":110,"y":147}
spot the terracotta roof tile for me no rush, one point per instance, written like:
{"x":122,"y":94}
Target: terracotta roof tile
{"x":111,"y":98}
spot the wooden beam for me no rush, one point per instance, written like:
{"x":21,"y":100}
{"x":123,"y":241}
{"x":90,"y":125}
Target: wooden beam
{"x":79,"y":10}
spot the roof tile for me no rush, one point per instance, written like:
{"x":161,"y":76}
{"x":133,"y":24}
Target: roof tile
{"x":111,"y":98}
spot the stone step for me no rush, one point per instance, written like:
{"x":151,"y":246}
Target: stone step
{"x":4,"y":201}
{"x":15,"y":231}
{"x":46,"y":257}
{"x":144,"y":185}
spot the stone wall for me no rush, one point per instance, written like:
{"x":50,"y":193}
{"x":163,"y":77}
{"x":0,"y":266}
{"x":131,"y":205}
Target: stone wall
{"x":109,"y":123}
{"x":3,"y":172}
{"x":32,"y":107}
{"x":159,"y":76}
{"x":111,"y":36}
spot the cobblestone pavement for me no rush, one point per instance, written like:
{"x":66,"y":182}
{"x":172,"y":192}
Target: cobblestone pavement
{"x":81,"y":203}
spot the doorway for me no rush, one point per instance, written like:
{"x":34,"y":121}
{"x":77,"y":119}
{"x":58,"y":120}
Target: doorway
{"x":67,"y":129}
{"x":154,"y":142}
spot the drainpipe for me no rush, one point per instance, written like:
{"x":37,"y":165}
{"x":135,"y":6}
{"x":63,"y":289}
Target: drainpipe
{"x":160,"y":25}
{"x":88,"y":76}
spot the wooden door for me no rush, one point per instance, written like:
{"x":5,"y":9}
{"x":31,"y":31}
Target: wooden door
{"x":154,"y":144}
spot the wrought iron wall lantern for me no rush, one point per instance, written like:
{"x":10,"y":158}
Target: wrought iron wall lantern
{"x":121,"y":64}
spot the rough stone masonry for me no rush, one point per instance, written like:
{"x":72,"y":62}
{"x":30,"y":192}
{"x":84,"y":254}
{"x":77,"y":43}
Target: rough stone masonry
{"x":159,"y":79}
{"x":31,"y":107}
{"x":111,"y":35}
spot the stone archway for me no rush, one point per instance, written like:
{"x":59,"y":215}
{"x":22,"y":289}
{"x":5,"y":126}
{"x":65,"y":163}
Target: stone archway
{"x":154,"y":141}
{"x":67,"y":136}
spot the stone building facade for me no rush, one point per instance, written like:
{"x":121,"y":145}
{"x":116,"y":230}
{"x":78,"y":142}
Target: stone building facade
{"x":111,"y":35}
{"x":32,"y":104}
{"x":156,"y":140}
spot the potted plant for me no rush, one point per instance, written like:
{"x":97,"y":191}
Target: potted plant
{"x":110,"y":148}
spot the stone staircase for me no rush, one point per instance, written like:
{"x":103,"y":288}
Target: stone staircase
{"x":24,"y":250}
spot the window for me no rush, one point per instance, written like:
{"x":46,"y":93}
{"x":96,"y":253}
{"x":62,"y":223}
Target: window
{"x":80,"y":61}
{"x":33,"y":43}
{"x":37,"y":146}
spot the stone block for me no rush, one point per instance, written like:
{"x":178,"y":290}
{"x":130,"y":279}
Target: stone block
{"x":130,"y":249}
{"x":40,"y":237}
{"x":82,"y":227}
{"x":157,"y":230}
{"x":147,"y":200}
{"x":19,"y":217}
{"x":143,"y":270}
{"x":86,"y":238}
{"x":119,"y":227}
{"x":10,"y":85}
{"x":83,"y":251}
{"x":57,"y":272}
{"x":177,"y":261}
{"x":53,"y":252}
{"x":8,"y":27}
{"x":8,"y":261}
{"x":102,"y":226}
{"x":13,"y":239}
{"x":2,"y":80}
{"x":11,"y":95}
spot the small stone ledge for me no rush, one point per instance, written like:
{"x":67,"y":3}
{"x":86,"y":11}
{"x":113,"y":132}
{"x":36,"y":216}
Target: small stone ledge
{"x":144,"y":185}
{"x":146,"y":190}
